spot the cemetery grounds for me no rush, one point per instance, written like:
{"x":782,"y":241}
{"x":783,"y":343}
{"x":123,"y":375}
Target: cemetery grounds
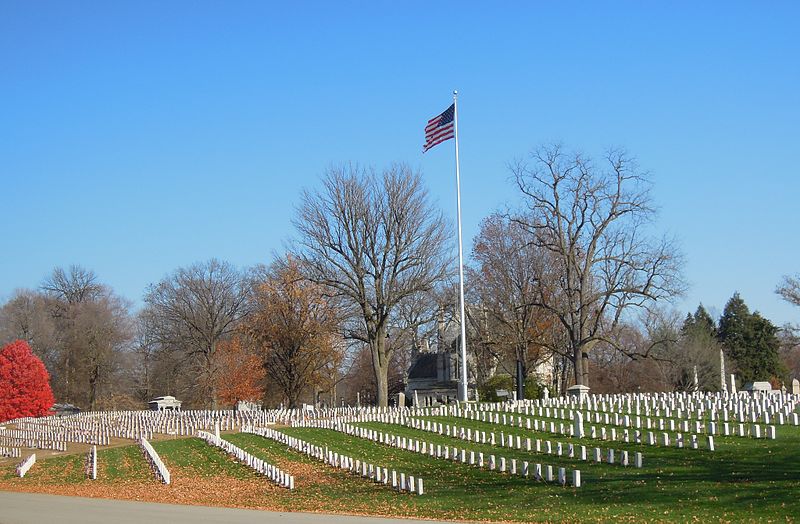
{"x":629,"y":458}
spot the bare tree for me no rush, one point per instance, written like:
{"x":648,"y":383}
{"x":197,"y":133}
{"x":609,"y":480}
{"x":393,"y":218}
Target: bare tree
{"x":789,"y":289}
{"x":81,"y":330}
{"x":294,"y":328}
{"x":100,"y":331}
{"x":593,"y":223}
{"x":74,"y":286}
{"x":373,"y":240}
{"x":193,"y":309}
{"x":510,"y":275}
{"x":26,"y":316}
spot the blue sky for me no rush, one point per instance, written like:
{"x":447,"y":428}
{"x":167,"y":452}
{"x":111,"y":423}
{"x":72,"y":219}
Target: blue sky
{"x":138,"y":137}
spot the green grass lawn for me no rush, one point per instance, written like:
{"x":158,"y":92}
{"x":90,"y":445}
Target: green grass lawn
{"x":123,"y":463}
{"x":745,"y":480}
{"x":198,"y":458}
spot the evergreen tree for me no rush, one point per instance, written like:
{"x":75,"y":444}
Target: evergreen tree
{"x":762,"y":361}
{"x":704,"y":322}
{"x":750,"y":340}
{"x":733,"y":327}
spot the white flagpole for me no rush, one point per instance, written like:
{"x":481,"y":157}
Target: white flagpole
{"x":462,"y":385}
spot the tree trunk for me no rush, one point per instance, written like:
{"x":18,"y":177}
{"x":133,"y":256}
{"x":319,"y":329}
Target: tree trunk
{"x":522,"y":372}
{"x":380,"y":364}
{"x":585,"y":367}
{"x":577,"y":362}
{"x":293,"y":399}
{"x":211,"y":375}
{"x":93,"y":388}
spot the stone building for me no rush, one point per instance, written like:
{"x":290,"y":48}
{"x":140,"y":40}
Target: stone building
{"x":165,"y":403}
{"x":434,"y":373}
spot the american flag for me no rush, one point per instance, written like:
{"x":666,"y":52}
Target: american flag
{"x":440,"y":128}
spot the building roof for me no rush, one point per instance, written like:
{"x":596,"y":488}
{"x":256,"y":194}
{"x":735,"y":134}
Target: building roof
{"x":424,"y":366}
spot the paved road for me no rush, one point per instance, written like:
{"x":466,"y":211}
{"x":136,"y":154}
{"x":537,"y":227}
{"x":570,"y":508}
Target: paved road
{"x":28,"y":508}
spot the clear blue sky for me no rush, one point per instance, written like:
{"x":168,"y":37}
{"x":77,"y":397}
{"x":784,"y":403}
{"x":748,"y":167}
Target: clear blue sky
{"x":138,"y":137}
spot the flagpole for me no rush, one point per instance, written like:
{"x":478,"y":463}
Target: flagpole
{"x":462,"y":386}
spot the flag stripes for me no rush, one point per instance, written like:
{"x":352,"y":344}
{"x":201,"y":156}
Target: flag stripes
{"x":440,"y":128}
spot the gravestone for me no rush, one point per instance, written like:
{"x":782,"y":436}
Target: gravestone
{"x":577,"y":428}
{"x":578,"y":391}
{"x":795,"y":387}
{"x":757,"y":387}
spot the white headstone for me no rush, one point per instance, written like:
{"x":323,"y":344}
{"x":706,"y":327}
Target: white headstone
{"x":577,"y":427}
{"x":723,"y":385}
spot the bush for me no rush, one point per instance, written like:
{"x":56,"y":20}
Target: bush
{"x":488,"y":391}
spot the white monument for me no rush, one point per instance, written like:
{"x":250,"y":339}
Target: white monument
{"x":577,"y":429}
{"x":578,"y":391}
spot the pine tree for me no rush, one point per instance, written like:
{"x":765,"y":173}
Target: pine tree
{"x":762,"y":361}
{"x":24,"y":383}
{"x":733,"y":327}
{"x":750,"y":340}
{"x":703,"y":321}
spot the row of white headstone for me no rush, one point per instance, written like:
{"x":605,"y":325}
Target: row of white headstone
{"x":691,"y":406}
{"x":261,"y":466}
{"x":684,"y":425}
{"x":25,"y":465}
{"x":156,"y":464}
{"x":98,"y":427}
{"x":535,"y":424}
{"x":45,"y":431}
{"x":399,"y":480}
{"x":10,"y":452}
{"x":90,"y":468}
{"x":33,"y":444}
{"x":576,"y":430}
{"x":518,"y":442}
{"x":500,"y":464}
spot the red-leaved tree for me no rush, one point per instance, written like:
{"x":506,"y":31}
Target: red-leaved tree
{"x":24,"y":383}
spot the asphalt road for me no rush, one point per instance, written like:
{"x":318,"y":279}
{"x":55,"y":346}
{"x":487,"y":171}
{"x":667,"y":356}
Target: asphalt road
{"x":29,"y":508}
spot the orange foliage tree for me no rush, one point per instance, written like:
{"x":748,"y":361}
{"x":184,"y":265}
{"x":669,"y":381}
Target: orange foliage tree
{"x":239,"y":372}
{"x":294,"y":328}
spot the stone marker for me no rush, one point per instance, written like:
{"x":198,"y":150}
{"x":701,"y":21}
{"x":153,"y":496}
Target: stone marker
{"x":576,"y":478}
{"x":577,"y":425}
